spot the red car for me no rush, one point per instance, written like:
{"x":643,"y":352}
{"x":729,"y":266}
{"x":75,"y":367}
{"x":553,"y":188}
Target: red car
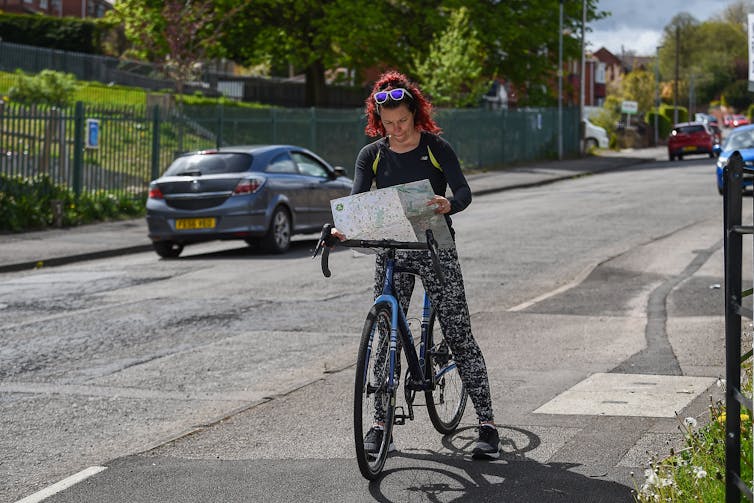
{"x":739,"y":120}
{"x":690,"y":138}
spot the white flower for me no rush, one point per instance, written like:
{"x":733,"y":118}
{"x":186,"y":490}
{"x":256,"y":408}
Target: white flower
{"x":651,"y":476}
{"x":699,"y":472}
{"x":690,"y":421}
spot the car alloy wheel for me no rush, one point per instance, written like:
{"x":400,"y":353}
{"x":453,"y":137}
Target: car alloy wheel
{"x":278,"y":237}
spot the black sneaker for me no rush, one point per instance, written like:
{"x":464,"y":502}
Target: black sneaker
{"x":373,"y":440}
{"x":488,"y":445}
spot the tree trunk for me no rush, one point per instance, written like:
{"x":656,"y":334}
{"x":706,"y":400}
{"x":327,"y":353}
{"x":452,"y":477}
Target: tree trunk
{"x":315,"y":85}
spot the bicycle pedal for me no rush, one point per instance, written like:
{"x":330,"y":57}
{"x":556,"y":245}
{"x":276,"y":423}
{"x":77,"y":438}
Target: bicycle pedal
{"x":400,"y":416}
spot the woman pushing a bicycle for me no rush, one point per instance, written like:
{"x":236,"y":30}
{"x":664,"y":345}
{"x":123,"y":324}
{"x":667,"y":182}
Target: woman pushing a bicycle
{"x":410,"y":149}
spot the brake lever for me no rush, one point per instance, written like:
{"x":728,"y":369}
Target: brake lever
{"x":322,"y":245}
{"x":322,"y":238}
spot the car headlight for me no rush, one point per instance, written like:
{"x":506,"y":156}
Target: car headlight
{"x":722,"y":162}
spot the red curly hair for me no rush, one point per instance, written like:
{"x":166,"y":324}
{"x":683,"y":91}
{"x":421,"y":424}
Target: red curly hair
{"x":419,"y":105}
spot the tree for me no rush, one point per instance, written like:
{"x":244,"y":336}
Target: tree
{"x":709,"y":54}
{"x":735,"y":13}
{"x":519,"y":37}
{"x":316,"y":35}
{"x":177,"y":35}
{"x":452,"y":72}
{"x":737,"y":95}
{"x":639,"y":86}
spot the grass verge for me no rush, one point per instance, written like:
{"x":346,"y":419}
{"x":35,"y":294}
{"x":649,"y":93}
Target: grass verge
{"x":696,"y":473}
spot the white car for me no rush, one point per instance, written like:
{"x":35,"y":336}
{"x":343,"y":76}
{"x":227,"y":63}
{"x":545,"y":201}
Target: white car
{"x":594,"y":136}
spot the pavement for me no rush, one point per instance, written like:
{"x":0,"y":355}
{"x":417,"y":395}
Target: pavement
{"x":55,"y":247}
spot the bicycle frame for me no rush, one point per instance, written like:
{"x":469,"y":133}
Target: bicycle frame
{"x":416,"y":362}
{"x":421,"y":374}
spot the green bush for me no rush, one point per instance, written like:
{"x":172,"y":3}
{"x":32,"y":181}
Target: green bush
{"x":664,"y":125}
{"x":737,"y":95}
{"x":668,"y":112}
{"x":48,"y":87}
{"x":27,"y":204}
{"x":65,"y":34}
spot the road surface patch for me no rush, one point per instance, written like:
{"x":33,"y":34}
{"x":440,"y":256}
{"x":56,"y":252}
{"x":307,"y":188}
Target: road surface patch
{"x":644,"y":395}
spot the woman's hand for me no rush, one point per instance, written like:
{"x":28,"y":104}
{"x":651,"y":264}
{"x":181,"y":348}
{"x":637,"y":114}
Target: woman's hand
{"x":336,"y":233}
{"x":443,"y":205}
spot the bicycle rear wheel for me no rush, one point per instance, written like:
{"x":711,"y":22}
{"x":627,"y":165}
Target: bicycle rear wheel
{"x":373,"y":401}
{"x":447,"y":401}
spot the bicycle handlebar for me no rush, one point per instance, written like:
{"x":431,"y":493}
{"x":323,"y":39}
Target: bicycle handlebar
{"x":328,"y":241}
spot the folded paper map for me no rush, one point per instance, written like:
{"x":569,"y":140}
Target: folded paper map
{"x":399,"y":213}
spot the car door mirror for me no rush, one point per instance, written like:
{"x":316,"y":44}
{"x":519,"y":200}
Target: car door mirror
{"x":339,"y":171}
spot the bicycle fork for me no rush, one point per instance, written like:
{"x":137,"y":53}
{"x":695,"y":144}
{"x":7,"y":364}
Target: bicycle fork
{"x":415,"y":380}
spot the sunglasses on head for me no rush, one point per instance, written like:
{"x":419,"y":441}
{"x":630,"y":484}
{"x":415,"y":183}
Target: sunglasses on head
{"x":396,"y":94}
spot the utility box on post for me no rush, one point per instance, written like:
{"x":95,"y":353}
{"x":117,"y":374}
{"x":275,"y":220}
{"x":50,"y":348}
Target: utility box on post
{"x":92,"y":133}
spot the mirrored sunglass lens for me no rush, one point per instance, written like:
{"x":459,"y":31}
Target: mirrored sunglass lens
{"x":380,"y":97}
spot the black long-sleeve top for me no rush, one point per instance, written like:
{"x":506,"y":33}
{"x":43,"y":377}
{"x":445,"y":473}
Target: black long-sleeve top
{"x":433,"y":159}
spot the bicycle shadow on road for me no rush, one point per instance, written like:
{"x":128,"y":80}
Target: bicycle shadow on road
{"x":423,"y":475}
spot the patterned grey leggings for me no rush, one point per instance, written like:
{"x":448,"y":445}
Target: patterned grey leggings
{"x":449,"y":301}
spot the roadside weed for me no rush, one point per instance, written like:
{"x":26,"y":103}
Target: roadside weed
{"x":696,"y":473}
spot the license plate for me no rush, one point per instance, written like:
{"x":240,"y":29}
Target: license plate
{"x":689,"y":148}
{"x":188,"y":224}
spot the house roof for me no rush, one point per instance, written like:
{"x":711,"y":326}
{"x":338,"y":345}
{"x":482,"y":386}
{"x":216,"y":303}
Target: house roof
{"x":606,"y":56}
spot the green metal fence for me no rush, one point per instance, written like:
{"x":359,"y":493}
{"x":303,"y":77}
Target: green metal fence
{"x":482,"y":138}
{"x":134,"y":145}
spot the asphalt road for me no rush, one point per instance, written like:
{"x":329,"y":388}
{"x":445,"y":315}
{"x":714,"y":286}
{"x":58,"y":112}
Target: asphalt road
{"x":226,"y":375}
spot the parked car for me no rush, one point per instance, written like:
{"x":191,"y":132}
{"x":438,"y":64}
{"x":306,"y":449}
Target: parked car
{"x":728,"y":121}
{"x":739,"y":120}
{"x":688,"y":138}
{"x":261,"y":194}
{"x":716,"y":133}
{"x":708,"y":119}
{"x":594,"y":136}
{"x":741,"y":139}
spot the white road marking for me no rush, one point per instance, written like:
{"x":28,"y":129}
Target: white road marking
{"x":575,"y":282}
{"x":62,"y":485}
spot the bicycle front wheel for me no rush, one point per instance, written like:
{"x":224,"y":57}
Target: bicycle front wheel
{"x":446,"y":402}
{"x":374,"y":403}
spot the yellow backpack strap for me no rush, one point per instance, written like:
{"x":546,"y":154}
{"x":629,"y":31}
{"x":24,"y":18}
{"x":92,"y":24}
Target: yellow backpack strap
{"x":433,"y":160}
{"x":376,"y":162}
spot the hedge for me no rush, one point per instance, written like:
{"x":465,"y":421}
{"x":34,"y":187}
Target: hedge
{"x":66,"y":34}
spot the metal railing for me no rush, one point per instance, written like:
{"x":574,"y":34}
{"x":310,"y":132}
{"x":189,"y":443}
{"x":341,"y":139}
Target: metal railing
{"x":133,"y":145}
{"x":734,"y":310}
{"x":137,"y":143}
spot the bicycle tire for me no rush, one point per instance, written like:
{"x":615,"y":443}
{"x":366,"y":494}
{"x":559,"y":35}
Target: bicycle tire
{"x":446,"y":402}
{"x":370,"y":389}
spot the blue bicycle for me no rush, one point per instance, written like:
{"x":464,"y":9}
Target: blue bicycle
{"x":431,"y":368}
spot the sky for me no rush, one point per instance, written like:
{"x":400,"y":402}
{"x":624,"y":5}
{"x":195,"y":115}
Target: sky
{"x":637,"y":25}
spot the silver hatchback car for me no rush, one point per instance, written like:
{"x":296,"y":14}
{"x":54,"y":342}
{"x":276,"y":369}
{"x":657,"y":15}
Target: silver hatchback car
{"x":261,"y":194}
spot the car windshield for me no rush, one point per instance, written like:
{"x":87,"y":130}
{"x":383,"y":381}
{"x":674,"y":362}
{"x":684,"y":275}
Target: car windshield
{"x":210,"y":163}
{"x":740,"y":140}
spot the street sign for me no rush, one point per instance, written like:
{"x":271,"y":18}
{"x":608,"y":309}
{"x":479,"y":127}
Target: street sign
{"x":92,"y":133}
{"x":629,"y":107}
